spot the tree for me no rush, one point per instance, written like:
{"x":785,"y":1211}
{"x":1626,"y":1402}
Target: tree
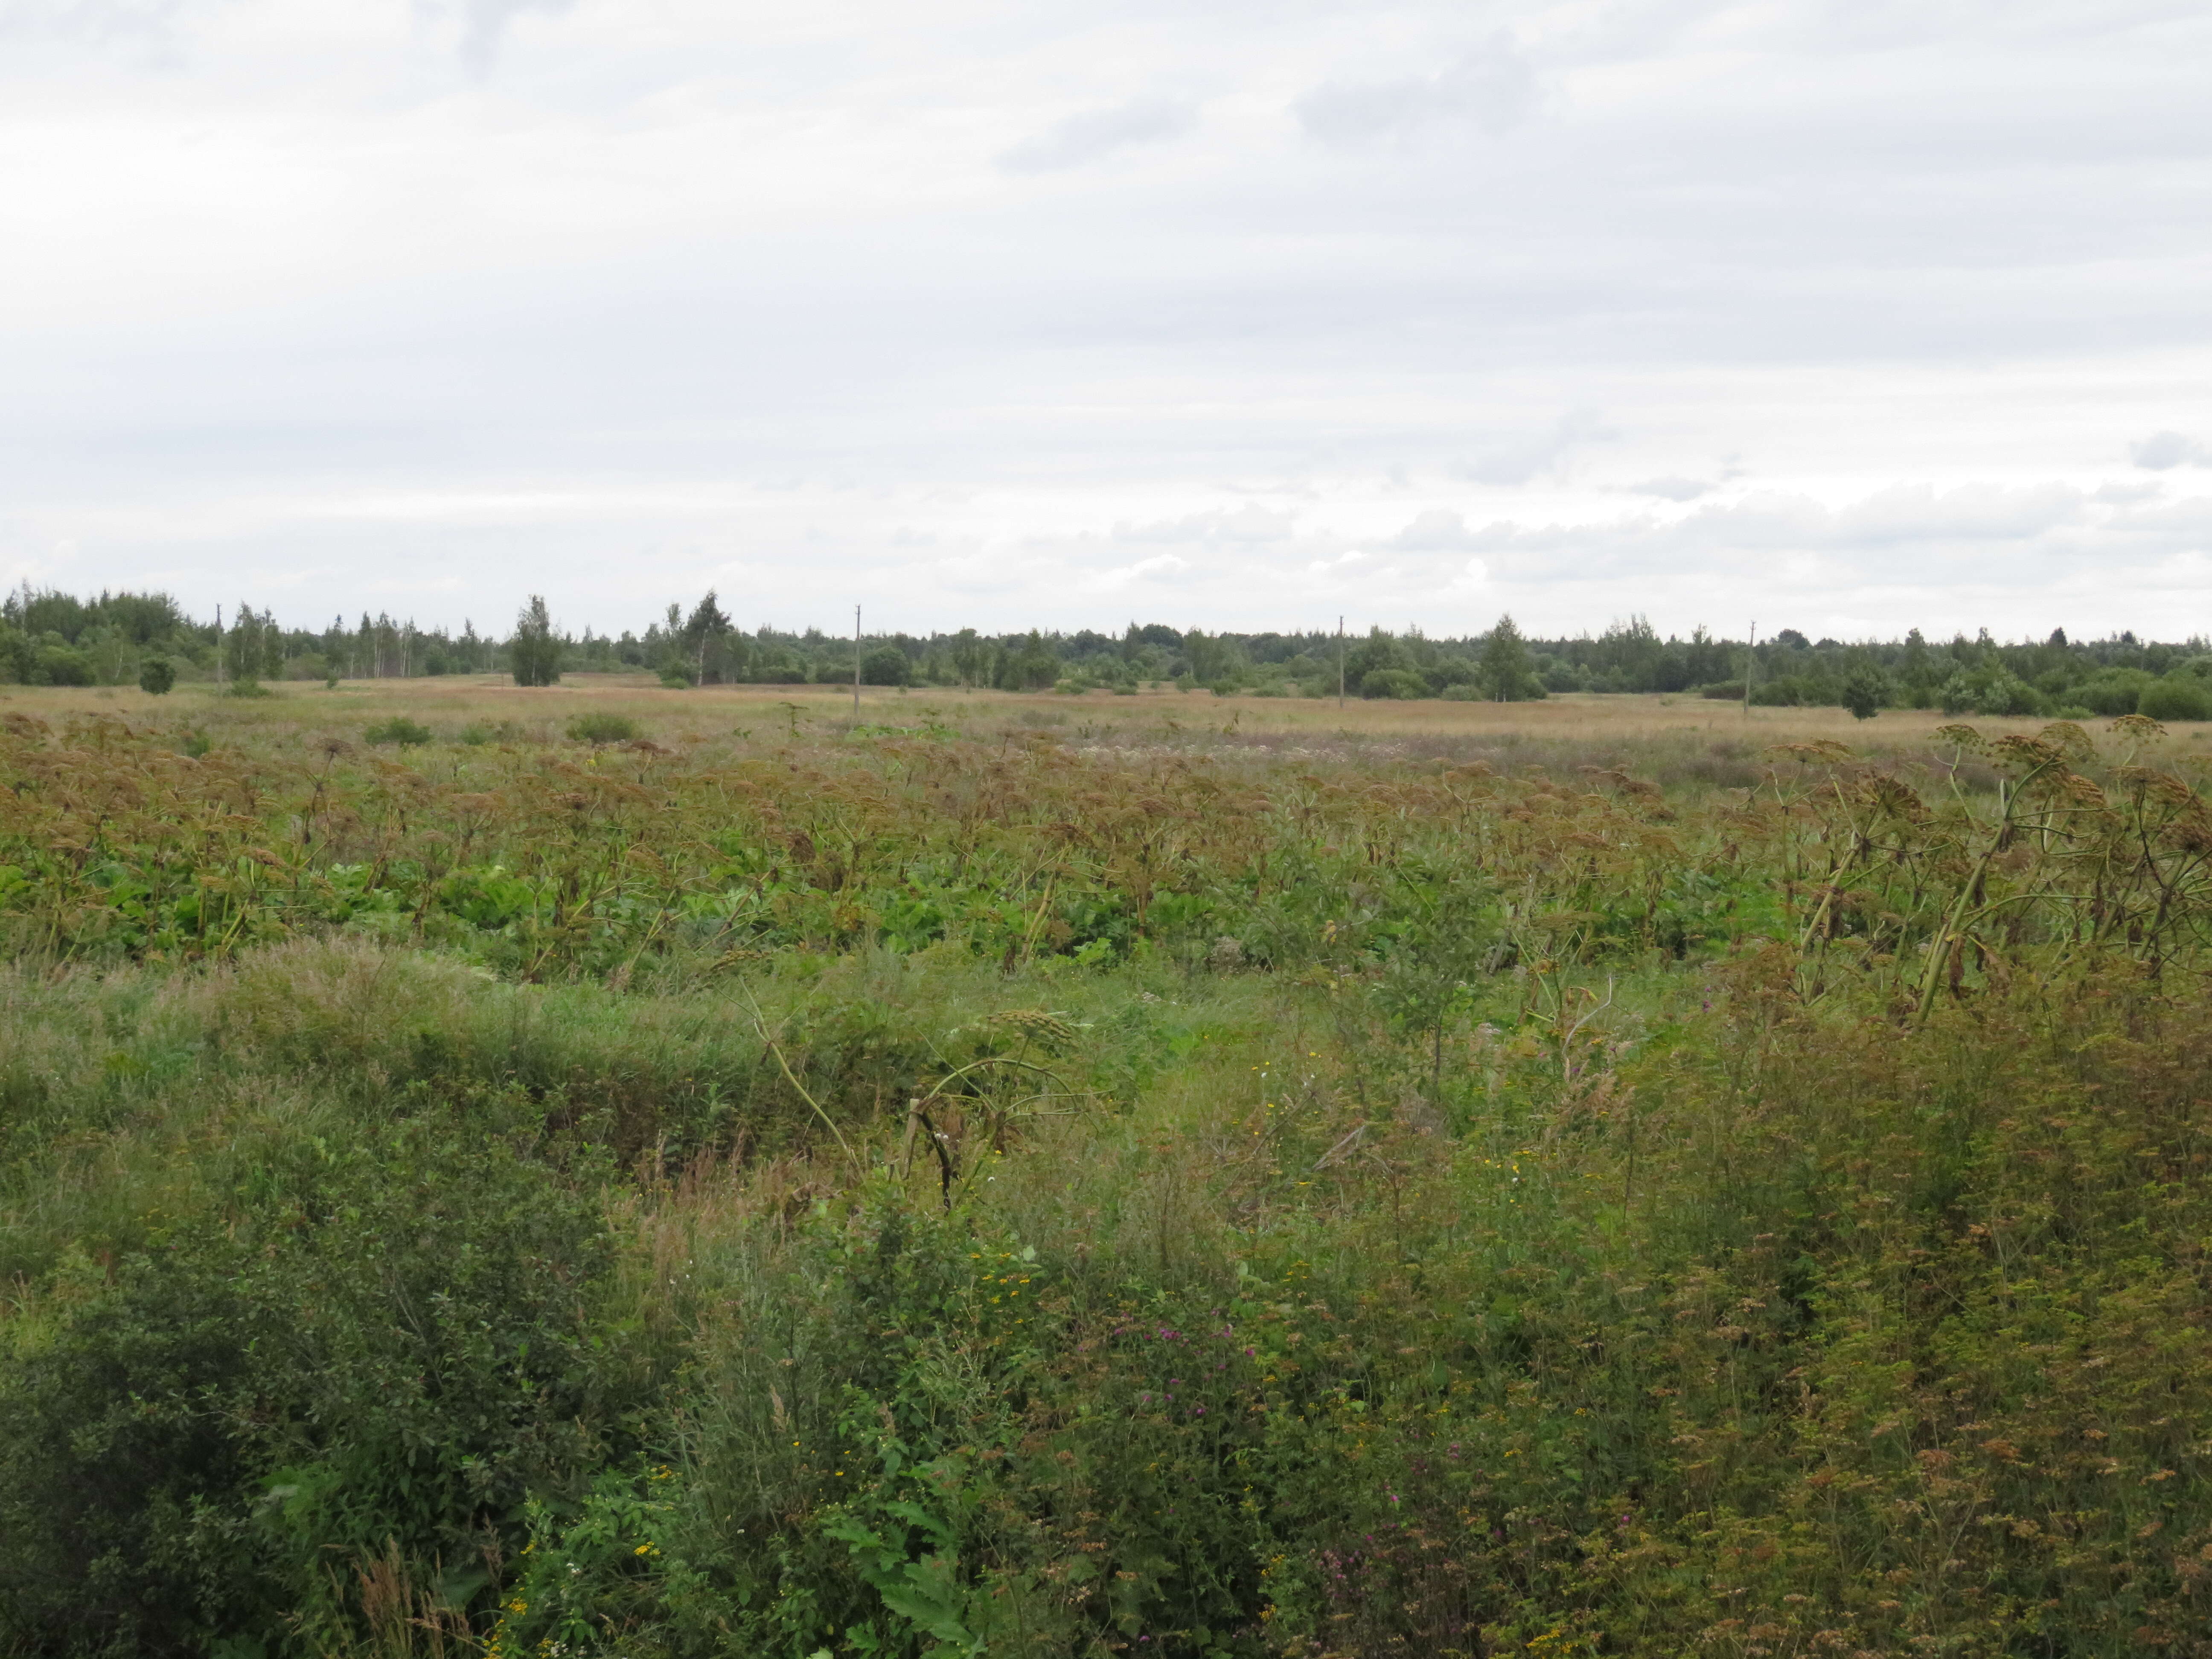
{"x":1506,"y":671}
{"x":886,"y":666}
{"x":970,"y":656}
{"x":252,"y":646}
{"x":1863,"y":691}
{"x":704,"y":632}
{"x":534,"y":652}
{"x":157,"y":676}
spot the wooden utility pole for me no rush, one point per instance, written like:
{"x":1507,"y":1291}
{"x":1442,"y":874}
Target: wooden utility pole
{"x":218,"y":640}
{"x":856,"y":662}
{"x":1339,"y":662}
{"x":1750,"y":667}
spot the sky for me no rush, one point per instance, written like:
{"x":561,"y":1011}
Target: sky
{"x":1850,"y":316}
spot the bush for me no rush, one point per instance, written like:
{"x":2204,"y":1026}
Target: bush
{"x":400,"y":730}
{"x":679,"y":676}
{"x":2110,"y":692}
{"x":157,"y":677}
{"x":2176,"y":697}
{"x":1992,"y":690}
{"x":58,"y":665}
{"x":247,"y":689}
{"x":598,"y":728}
{"x":886,"y":666}
{"x":381,"y":1347}
{"x":1864,"y":691}
{"x":1400,"y":682}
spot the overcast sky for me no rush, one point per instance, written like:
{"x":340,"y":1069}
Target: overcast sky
{"x":1846,"y":316}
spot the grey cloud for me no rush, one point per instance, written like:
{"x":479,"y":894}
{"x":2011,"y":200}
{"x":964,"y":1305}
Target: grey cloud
{"x":2129,"y":495}
{"x":1439,"y":529}
{"x":1899,"y":533}
{"x":1518,"y":463}
{"x":2162,"y":451}
{"x":483,"y":26}
{"x":1252,"y":523}
{"x":1492,"y":87}
{"x":1095,"y":134}
{"x":86,"y":20}
{"x":1672,"y":489}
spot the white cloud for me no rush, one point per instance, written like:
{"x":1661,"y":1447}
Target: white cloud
{"x":1672,"y":489}
{"x":1492,"y":88}
{"x":1095,"y":134}
{"x":1437,"y":529}
{"x":879,"y":304}
{"x":1160,"y":564}
{"x":1248,"y":523}
{"x":2163,"y":451}
{"x":1518,"y":463}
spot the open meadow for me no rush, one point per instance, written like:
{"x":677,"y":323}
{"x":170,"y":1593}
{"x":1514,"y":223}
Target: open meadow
{"x":604,"y":1170}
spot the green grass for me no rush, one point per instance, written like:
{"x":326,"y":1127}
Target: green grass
{"x":931,"y":1193}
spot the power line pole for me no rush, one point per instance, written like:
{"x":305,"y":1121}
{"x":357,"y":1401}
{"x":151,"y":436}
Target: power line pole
{"x":1750,"y":667}
{"x":856,"y":662}
{"x":1339,"y":662}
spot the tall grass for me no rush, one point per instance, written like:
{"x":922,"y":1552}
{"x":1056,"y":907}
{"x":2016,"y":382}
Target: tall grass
{"x":937,"y":1193}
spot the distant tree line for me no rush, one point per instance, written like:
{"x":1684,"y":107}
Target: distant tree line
{"x":51,"y":638}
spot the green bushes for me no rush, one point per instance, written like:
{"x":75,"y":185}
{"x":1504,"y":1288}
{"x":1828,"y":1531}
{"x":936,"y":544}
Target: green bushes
{"x":381,"y":1342}
{"x":886,"y":666}
{"x":2176,"y":697}
{"x":602,"y":728}
{"x":1400,"y":682}
{"x":398,"y":730}
{"x":906,"y":1195}
{"x":157,"y":676}
{"x":2111,"y":692}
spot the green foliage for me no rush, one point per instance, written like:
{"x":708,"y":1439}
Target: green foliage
{"x":1864,"y":692}
{"x":886,"y":666}
{"x":252,"y":650}
{"x":1507,"y":675}
{"x":601,"y":727}
{"x":679,"y":676}
{"x":397,"y":730}
{"x":157,"y":676}
{"x":895,"y":1193}
{"x":1403,"y":682}
{"x":1992,"y":690}
{"x":534,"y":652}
{"x":379,"y":1339}
{"x":2178,"y":696}
{"x":2112,"y":692}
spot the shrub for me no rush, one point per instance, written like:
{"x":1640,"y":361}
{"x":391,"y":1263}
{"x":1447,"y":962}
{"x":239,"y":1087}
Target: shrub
{"x":382,"y":1345}
{"x":886,"y":666}
{"x":2110,"y":692}
{"x":397,"y":730}
{"x":2176,"y":697}
{"x":679,"y":676}
{"x":58,"y":664}
{"x":1864,"y":690}
{"x":1400,"y":683}
{"x":534,"y":652}
{"x":157,"y":677}
{"x":248,"y":688}
{"x":601,"y":727}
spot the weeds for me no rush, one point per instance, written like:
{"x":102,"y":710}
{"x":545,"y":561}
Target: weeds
{"x":937,"y":1191}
